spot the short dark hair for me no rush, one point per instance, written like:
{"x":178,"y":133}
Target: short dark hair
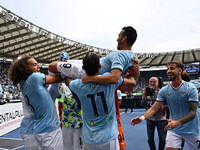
{"x":178,"y":64}
{"x":131,"y":34}
{"x":91,"y":63}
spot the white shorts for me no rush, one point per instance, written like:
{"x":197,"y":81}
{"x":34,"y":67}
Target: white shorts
{"x":44,"y":141}
{"x":174,"y":140}
{"x":111,"y":145}
{"x":70,"y":69}
{"x":72,"y":138}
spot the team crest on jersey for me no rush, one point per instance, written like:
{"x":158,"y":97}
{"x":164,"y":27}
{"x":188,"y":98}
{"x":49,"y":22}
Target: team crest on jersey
{"x":182,"y":92}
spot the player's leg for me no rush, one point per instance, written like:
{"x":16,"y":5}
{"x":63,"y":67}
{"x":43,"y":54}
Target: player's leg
{"x":67,"y":138}
{"x":111,"y":145}
{"x":51,"y":140}
{"x":77,"y":139}
{"x":173,"y":141}
{"x":193,"y":142}
{"x":30,"y":142}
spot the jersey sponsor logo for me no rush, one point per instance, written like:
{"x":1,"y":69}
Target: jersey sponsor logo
{"x":92,"y":123}
{"x":39,"y":117}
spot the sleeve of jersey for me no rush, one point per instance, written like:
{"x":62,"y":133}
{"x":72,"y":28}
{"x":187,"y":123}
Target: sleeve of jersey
{"x":71,"y":70}
{"x":38,"y":79}
{"x":193,"y":95}
{"x":160,"y":96}
{"x":118,"y":61}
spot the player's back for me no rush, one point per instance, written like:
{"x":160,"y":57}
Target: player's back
{"x":99,"y":117}
{"x":117,"y":60}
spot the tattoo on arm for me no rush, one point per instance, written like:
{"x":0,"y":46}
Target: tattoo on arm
{"x":192,"y":113}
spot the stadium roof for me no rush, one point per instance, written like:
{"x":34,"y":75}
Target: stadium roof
{"x":20,"y":37}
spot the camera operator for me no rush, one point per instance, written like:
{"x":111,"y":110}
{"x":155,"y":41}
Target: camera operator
{"x":159,"y":119}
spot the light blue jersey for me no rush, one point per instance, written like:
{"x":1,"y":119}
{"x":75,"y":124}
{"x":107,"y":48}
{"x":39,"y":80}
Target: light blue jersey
{"x":44,"y":117}
{"x":178,"y":104}
{"x":98,"y":105}
{"x":197,"y":85}
{"x":121,"y":60}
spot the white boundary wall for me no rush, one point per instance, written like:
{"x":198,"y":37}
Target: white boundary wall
{"x":10,"y":117}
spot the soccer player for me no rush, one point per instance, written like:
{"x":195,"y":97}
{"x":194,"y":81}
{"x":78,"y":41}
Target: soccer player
{"x":182,"y":101}
{"x":97,"y":100}
{"x":40,"y":127}
{"x":118,"y":63}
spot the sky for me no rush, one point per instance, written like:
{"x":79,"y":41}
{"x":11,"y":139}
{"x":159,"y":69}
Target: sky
{"x":162,"y":25}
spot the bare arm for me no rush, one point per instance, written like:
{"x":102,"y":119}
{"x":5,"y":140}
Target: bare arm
{"x":136,"y":70}
{"x":67,"y":81}
{"x":108,"y":79}
{"x":150,"y":112}
{"x":192,"y":114}
{"x":128,"y":84}
{"x":53,"y":79}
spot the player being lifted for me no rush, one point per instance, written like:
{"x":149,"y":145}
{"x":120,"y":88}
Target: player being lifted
{"x":117,"y":63}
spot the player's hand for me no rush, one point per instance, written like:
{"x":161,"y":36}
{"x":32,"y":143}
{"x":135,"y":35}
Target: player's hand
{"x":173,"y":124}
{"x":136,"y":69}
{"x":136,"y":120}
{"x":86,"y":79}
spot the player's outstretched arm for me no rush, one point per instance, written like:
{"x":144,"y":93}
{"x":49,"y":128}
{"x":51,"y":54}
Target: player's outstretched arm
{"x":112,"y":78}
{"x":150,"y":112}
{"x":128,"y":84}
{"x":53,"y":79}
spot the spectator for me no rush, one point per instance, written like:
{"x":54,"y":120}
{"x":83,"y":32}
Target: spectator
{"x":129,"y":100}
{"x":158,"y":120}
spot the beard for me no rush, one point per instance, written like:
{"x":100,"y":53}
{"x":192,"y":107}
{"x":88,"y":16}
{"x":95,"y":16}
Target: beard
{"x":172,"y":78}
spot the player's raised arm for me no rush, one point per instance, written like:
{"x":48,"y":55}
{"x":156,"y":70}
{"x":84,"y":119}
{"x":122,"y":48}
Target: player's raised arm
{"x":108,"y":79}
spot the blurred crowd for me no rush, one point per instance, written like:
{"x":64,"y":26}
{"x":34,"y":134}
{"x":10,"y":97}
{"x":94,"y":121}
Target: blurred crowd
{"x":8,"y":91}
